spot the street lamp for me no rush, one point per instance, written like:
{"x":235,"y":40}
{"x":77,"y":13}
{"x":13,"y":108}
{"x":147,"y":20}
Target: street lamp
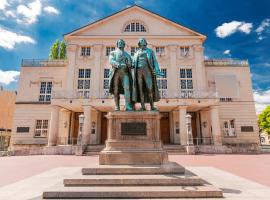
{"x":81,"y":120}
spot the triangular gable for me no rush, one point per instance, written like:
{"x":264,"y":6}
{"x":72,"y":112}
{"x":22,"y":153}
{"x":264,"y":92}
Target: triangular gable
{"x":103,"y":20}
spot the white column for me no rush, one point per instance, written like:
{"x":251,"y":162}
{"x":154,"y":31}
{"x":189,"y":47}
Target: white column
{"x":183,"y":125}
{"x":86,"y":125}
{"x":216,"y":132}
{"x":54,"y":125}
{"x":189,"y":130}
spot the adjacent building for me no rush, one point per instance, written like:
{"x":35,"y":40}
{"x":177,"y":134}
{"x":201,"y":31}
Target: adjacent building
{"x":7,"y":107}
{"x":54,"y":95}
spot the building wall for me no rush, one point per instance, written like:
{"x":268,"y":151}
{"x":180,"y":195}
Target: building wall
{"x":7,"y":107}
{"x":241,"y":109}
{"x":31,"y":77}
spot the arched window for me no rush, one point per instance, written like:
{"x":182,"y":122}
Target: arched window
{"x":135,"y":27}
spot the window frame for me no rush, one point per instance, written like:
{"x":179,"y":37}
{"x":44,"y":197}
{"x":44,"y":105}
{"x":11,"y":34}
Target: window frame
{"x":84,"y":80}
{"x":229,"y":131}
{"x":45,"y":92}
{"x":42,"y":128}
{"x":187,"y":79}
{"x":109,"y":49}
{"x":85,"y":51}
{"x":160,"y":80}
{"x":135,"y":27}
{"x":106,"y":77}
{"x":185,"y":51}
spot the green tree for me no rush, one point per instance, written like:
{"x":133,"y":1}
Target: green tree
{"x":63,"y":50}
{"x":54,"y":51}
{"x":264,"y":120}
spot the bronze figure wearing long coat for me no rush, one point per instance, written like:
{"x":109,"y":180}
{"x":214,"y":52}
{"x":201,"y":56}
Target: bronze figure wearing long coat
{"x":154,"y":67}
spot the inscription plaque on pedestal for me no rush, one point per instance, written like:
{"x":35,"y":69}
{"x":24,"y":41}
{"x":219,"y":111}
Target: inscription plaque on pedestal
{"x":133,"y":128}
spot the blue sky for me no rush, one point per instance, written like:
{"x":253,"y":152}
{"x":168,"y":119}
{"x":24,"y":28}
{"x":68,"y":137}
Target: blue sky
{"x":234,"y":28}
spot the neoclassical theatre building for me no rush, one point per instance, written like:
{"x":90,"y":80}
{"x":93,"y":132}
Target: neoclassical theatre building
{"x":64,"y":102}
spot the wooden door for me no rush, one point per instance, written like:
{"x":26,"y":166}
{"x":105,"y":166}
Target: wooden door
{"x":103,"y":130}
{"x":194,"y":128}
{"x":75,"y":128}
{"x":165,"y":128}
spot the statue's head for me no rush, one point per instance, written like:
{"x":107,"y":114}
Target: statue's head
{"x":120,"y":44}
{"x":142,"y":43}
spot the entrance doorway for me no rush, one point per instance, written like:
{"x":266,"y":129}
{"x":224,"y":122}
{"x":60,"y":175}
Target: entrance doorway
{"x":194,"y":127}
{"x":165,"y":127}
{"x":103,"y":130}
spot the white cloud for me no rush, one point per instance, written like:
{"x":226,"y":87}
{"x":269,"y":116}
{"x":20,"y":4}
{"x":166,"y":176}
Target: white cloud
{"x":7,"y":77}
{"x":265,"y":23}
{"x":29,"y":12}
{"x":227,"y":52}
{"x":262,"y":99}
{"x":227,"y":29}
{"x":51,"y":10}
{"x":10,"y":39}
{"x":3,"y":4}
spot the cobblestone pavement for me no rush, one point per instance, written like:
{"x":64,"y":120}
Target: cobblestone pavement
{"x":252,"y":167}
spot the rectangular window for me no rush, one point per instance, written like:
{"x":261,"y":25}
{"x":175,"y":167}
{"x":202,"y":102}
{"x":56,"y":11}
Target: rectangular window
{"x":85,"y":51}
{"x":228,"y":128}
{"x":160,"y":50}
{"x":186,"y":83}
{"x":41,"y":129}
{"x":184,"y":51}
{"x":108,"y":50}
{"x":83,"y":87}
{"x":162,"y":84}
{"x":106,"y":82}
{"x":45,"y":91}
{"x":225,"y":99}
{"x":133,"y":50}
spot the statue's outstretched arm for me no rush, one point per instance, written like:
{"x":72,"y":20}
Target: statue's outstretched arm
{"x":156,"y":65}
{"x":113,"y":61}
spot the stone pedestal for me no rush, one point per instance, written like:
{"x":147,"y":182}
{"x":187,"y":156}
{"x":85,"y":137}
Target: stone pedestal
{"x":133,"y":138}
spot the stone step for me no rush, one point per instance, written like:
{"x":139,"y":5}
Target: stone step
{"x":132,"y":180}
{"x":168,"y":168}
{"x":101,"y":192}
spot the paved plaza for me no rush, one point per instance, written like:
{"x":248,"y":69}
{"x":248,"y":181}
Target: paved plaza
{"x":239,"y":176}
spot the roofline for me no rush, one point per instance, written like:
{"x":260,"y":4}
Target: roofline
{"x":135,"y":5}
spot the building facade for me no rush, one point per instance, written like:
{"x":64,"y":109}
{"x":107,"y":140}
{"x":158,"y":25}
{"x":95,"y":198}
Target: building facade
{"x":216,"y":95}
{"x":7,"y":107}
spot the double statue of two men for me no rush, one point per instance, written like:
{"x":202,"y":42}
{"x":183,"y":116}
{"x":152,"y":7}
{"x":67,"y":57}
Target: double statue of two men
{"x":134,"y":77}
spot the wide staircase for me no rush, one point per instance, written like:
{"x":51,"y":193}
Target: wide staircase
{"x":174,"y":149}
{"x":93,"y":149}
{"x":134,"y":181}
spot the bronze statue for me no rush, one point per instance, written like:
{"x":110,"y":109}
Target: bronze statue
{"x":120,"y":81}
{"x":146,"y":68}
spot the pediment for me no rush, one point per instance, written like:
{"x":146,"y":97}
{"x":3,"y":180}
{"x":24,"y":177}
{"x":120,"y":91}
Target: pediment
{"x":114,"y":25}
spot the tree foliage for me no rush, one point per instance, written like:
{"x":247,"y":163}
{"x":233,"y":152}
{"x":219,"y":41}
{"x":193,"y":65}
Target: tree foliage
{"x":58,"y":50}
{"x":54,"y":50}
{"x":63,"y":50}
{"x":264,"y":120}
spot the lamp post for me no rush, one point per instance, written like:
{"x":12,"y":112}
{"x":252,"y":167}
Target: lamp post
{"x":81,"y":120}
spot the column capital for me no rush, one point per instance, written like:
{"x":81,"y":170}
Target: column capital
{"x":182,"y":107}
{"x":72,"y":47}
{"x":198,"y":47}
{"x":214,"y":107}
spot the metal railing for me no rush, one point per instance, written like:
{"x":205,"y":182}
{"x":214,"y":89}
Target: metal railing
{"x":104,"y":95}
{"x":67,"y":141}
{"x":203,"y":141}
{"x":226,"y":62}
{"x":43,"y":63}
